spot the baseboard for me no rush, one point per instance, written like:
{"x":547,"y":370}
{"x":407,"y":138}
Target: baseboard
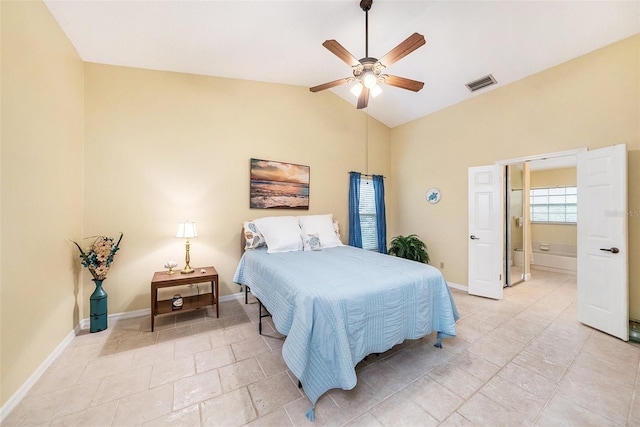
{"x":239,"y":295}
{"x":457,"y":286}
{"x":13,"y":401}
{"x":553,"y":270}
{"x":84,"y":323}
{"x":24,"y":389}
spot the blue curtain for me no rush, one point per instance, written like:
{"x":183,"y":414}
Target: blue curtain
{"x":381,"y":217}
{"x":355,"y":232}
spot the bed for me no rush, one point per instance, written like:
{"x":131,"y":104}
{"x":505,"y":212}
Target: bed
{"x":339,"y":304}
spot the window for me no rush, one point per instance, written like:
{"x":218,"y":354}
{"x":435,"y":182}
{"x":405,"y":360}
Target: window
{"x":367,"y":224}
{"x":368,"y":214}
{"x":554,"y":205}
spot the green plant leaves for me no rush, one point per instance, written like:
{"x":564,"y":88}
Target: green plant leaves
{"x":409,"y":247}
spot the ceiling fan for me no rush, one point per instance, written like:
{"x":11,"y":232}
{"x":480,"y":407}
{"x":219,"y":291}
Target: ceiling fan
{"x":367,"y":72}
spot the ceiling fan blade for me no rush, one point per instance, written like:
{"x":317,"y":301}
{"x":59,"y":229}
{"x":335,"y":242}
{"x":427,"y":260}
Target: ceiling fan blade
{"x":329,"y":85}
{"x":338,"y":50}
{"x":402,"y":83}
{"x":363,"y":99}
{"x":410,"y":44}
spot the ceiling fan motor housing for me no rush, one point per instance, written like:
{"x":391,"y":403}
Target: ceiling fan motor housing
{"x":368,"y":66}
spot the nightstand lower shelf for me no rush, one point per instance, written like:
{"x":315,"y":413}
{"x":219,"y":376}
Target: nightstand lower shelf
{"x":190,"y":303}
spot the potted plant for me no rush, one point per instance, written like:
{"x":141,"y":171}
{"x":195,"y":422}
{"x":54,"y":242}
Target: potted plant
{"x":409,"y":247}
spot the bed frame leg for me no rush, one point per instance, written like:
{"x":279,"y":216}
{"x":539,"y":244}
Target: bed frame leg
{"x":299,"y":384}
{"x":260,"y":317}
{"x":246,"y":294}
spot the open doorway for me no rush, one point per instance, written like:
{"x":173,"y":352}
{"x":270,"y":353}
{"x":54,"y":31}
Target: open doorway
{"x":553,"y":204}
{"x":546,"y":235}
{"x":540,"y":211}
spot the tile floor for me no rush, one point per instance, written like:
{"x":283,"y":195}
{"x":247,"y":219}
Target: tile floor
{"x":524,"y":360}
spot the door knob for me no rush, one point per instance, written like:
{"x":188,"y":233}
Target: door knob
{"x":612,"y":250}
{"x":474,"y":237}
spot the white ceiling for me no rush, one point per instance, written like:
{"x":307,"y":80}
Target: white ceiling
{"x":281,"y":41}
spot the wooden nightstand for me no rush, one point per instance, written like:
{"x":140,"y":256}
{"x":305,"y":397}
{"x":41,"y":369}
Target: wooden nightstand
{"x":161,"y":279}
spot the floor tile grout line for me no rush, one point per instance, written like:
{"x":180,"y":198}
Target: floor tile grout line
{"x":485,"y":382}
{"x":634,"y":395}
{"x":568,"y":368}
{"x":555,"y":389}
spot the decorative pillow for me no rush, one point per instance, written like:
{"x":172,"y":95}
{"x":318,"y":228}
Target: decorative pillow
{"x":321,"y":225}
{"x":311,"y":242}
{"x":253,"y":238}
{"x":282,"y":233}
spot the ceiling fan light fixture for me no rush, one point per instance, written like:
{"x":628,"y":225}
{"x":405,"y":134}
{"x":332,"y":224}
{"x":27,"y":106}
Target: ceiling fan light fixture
{"x":356,"y":90}
{"x":376,"y":90}
{"x":369,"y":79}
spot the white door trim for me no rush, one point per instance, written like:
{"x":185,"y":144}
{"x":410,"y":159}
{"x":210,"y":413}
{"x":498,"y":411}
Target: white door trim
{"x":546,"y":156}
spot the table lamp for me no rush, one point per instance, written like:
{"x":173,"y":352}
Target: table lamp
{"x":187,"y":230}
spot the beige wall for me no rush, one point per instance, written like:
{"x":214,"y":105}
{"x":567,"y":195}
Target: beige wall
{"x":561,"y":177}
{"x":163,"y":147}
{"x":564,"y":234}
{"x":41,"y":152}
{"x":592,"y":101}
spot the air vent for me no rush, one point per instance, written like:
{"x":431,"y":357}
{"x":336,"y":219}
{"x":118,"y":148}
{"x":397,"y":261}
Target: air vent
{"x":481,"y":83}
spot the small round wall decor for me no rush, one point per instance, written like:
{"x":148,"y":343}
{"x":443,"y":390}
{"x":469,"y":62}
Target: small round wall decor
{"x":433,"y":195}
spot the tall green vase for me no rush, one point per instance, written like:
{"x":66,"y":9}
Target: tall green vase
{"x":98,"y":308}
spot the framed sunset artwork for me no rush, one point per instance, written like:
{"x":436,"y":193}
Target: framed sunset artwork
{"x":278,"y":185}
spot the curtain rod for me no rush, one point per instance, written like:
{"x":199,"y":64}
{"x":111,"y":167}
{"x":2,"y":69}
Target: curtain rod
{"x":366,"y":174}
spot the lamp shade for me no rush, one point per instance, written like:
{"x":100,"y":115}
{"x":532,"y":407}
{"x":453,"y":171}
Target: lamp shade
{"x":187,"y":230}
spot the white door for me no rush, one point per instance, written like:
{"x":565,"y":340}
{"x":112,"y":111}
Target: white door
{"x":485,"y":231}
{"x":603,"y":282}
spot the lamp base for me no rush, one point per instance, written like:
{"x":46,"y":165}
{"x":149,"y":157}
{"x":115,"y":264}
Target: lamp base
{"x":187,"y":259}
{"x":187,"y":270}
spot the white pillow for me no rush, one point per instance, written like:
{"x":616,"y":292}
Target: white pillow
{"x":282,"y":233}
{"x":321,"y":225}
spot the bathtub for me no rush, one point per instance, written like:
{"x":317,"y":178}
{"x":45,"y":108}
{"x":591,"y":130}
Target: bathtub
{"x":550,"y":257}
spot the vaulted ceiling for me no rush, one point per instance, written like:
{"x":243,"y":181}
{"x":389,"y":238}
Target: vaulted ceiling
{"x":281,"y":41}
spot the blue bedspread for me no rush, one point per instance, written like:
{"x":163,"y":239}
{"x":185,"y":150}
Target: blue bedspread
{"x":340,"y":304}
